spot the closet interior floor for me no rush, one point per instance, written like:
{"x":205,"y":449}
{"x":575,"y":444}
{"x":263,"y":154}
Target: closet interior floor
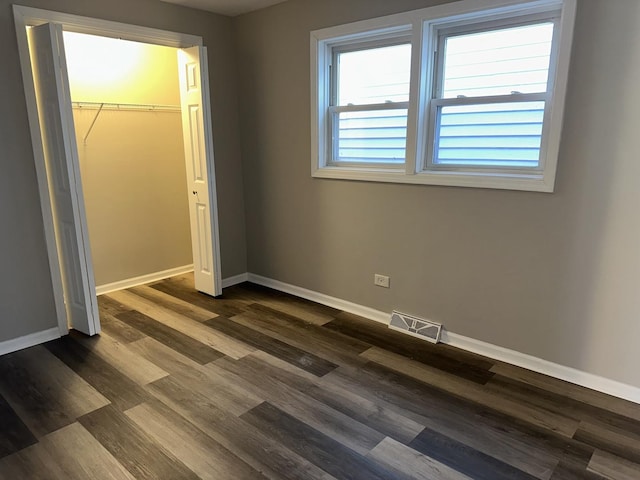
{"x":258,"y":384}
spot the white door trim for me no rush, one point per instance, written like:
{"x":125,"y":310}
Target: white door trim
{"x":28,"y":16}
{"x":105,"y":28}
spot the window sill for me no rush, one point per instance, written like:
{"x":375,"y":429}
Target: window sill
{"x":524,"y":182}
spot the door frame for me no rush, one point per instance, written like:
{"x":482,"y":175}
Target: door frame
{"x":28,"y":16}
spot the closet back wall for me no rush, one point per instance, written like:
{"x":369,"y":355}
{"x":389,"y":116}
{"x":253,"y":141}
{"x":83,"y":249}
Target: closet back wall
{"x":132,"y":162}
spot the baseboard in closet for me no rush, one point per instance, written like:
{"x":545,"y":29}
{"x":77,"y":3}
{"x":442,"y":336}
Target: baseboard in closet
{"x":141,"y":280}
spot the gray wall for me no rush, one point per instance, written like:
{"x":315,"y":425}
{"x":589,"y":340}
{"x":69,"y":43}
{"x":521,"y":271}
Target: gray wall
{"x":26,"y":299}
{"x":551,"y":275}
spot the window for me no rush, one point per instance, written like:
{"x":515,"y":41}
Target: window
{"x":490,"y":96}
{"x":447,"y":95}
{"x":370,"y":103}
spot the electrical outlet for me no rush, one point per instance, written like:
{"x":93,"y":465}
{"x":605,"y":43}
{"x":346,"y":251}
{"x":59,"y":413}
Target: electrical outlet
{"x":381,"y":280}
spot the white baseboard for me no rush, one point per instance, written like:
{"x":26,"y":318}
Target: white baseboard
{"x":30,"y":340}
{"x":327,"y":300}
{"x":568,"y":374}
{"x":545,"y":367}
{"x":235,"y":280}
{"x":141,"y":280}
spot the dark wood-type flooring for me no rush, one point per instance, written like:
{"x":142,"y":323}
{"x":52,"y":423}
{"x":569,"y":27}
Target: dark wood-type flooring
{"x":258,"y":384}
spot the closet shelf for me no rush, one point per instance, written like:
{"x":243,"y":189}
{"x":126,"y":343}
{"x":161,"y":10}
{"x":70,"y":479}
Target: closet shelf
{"x":139,"y":107}
{"x":125,"y":106}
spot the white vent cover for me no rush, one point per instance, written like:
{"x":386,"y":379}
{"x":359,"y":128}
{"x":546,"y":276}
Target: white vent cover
{"x":414,"y":326}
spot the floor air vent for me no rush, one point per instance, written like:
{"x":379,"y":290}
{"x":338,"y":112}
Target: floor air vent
{"x":416,"y":327}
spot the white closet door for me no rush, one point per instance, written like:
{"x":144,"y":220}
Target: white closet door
{"x":198,"y":145}
{"x":61,"y":158}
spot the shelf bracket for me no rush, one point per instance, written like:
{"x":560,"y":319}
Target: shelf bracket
{"x":93,"y":124}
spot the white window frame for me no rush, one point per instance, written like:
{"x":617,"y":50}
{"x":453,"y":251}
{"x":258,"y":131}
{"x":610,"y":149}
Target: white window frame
{"x":436,"y":101}
{"x":423,"y":26}
{"x":333,"y":111}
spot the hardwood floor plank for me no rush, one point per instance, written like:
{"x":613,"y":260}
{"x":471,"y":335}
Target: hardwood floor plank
{"x":407,"y":463}
{"x":531,"y":449}
{"x":44,"y":392}
{"x":106,"y":379}
{"x":374,"y":415}
{"x":217,"y":306}
{"x":250,"y":293}
{"x":80,"y":456}
{"x":186,"y":279}
{"x":328,"y":336}
{"x":345,"y":400}
{"x":612,"y":467}
{"x":299,"y":340}
{"x":569,"y":390}
{"x":618,"y":442}
{"x":135,"y":450}
{"x":485,"y":430}
{"x":300,"y":358}
{"x":283,"y":320}
{"x":14,"y":434}
{"x":120,"y":357}
{"x":467,"y":460}
{"x":172,"y":338}
{"x":33,"y":463}
{"x":173,"y":303}
{"x":562,"y":405}
{"x":199,"y":452}
{"x":574,"y":461}
{"x":185,"y":325}
{"x":567,"y":471}
{"x":255,"y":448}
{"x":325,"y":343}
{"x":203,"y":379}
{"x":109,"y":306}
{"x":118,"y":330}
{"x":285,"y":372}
{"x":318,"y":448}
{"x":278,"y":370}
{"x":301,"y":308}
{"x":418,"y":350}
{"x":264,"y":379}
{"x":473,"y":392}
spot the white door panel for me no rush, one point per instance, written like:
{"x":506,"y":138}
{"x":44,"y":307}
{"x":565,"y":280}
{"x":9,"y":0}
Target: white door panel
{"x":61,"y":159}
{"x":198,"y":145}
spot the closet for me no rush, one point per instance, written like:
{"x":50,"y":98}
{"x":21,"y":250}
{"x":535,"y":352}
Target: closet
{"x":128,"y":125}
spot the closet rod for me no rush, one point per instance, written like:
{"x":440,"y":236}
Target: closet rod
{"x":126,"y":106}
{"x":100,"y":106}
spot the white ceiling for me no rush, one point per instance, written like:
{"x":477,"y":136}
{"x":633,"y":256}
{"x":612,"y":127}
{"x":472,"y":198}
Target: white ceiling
{"x":226,"y":7}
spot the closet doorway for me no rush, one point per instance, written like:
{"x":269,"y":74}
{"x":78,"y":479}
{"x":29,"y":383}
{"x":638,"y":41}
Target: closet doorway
{"x":57,"y":144}
{"x":128,"y":126}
